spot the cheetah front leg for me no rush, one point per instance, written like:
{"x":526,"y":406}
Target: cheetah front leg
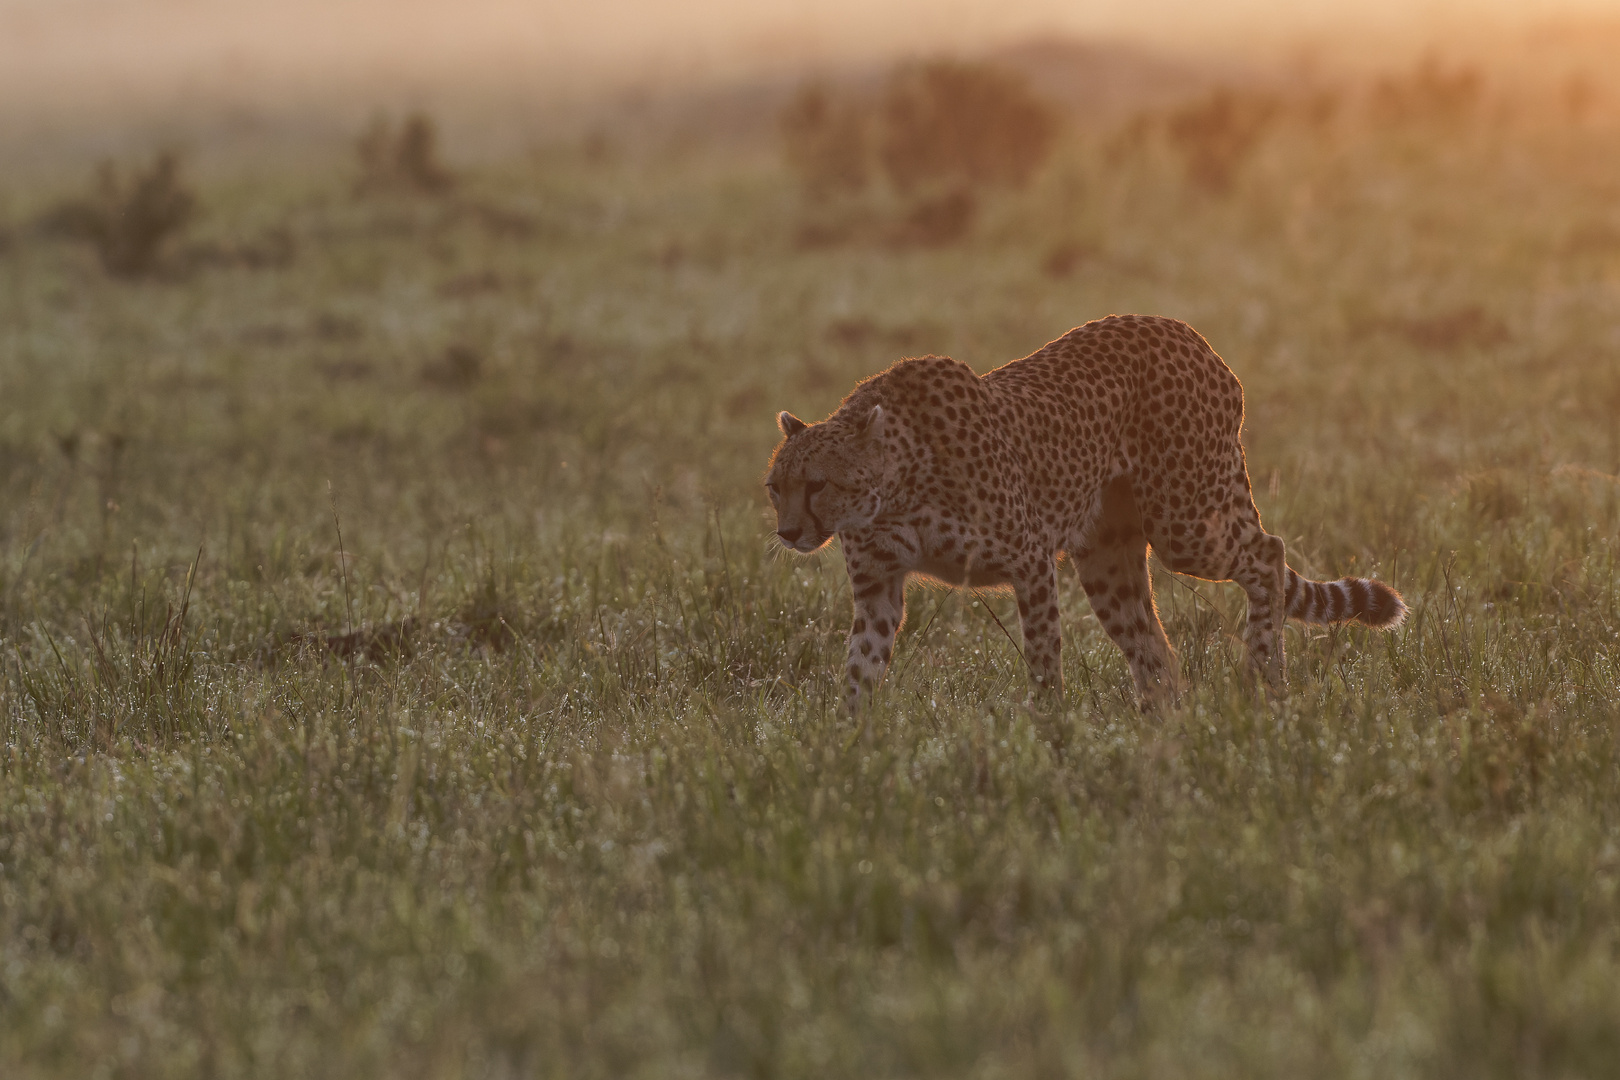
{"x":1035,"y":584}
{"x":879,"y":586}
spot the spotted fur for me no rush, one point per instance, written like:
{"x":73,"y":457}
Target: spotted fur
{"x":1121,"y":435}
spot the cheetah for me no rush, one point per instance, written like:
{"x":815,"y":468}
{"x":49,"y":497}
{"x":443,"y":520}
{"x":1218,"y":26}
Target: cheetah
{"x":1120,"y":436}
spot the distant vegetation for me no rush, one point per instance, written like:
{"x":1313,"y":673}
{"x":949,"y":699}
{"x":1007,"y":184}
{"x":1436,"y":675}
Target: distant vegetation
{"x":940,"y":132}
{"x":927,"y":147}
{"x":1216,"y":134}
{"x":1430,"y":91}
{"x":132,"y":217}
{"x":827,"y":142}
{"x":402,"y":157}
{"x":951,"y":122}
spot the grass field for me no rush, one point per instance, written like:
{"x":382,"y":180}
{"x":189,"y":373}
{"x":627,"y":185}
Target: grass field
{"x":539,"y":771}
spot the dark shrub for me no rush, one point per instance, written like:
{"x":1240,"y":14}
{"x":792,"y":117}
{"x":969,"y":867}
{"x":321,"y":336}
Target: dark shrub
{"x":402,"y":158}
{"x":1216,"y":134}
{"x":129,"y":221}
{"x":459,"y":368}
{"x":1065,"y":257}
{"x":964,"y":123}
{"x":938,"y":220}
{"x":1429,"y":91}
{"x":1455,"y":329}
{"x":826,"y":142}
{"x":1132,"y":139}
{"x":1579,"y":96}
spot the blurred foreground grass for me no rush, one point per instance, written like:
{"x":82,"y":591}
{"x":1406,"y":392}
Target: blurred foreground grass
{"x":543,"y":775}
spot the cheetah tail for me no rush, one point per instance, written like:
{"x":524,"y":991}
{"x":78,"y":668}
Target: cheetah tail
{"x":1351,"y":599}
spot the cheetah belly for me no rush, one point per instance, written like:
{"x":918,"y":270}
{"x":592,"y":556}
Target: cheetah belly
{"x":955,"y":571}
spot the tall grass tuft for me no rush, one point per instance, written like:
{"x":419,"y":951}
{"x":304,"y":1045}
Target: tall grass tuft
{"x":402,"y":156}
{"x":132,"y":218}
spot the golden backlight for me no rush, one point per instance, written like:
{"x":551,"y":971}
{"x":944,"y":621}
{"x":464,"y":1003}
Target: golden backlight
{"x":56,"y":53}
{"x":403,"y":672}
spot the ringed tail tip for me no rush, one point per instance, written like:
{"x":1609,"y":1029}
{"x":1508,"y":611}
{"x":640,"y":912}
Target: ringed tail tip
{"x":1386,"y":611}
{"x":1360,"y":600}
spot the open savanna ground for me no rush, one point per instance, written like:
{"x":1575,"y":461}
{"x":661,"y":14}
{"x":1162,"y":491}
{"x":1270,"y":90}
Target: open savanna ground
{"x":537,"y":770}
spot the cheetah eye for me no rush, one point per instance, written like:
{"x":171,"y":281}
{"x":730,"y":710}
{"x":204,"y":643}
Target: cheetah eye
{"x":813,"y":486}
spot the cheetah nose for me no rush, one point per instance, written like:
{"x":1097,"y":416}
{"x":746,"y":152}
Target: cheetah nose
{"x":789,"y":536}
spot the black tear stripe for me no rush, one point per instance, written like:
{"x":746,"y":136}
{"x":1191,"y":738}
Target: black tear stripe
{"x":821,"y":532}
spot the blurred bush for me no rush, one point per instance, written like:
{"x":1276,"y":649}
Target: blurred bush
{"x":827,"y":142}
{"x":1216,"y":134}
{"x":964,"y":124}
{"x":1457,"y":328}
{"x":129,"y":220}
{"x":939,"y":132}
{"x":460,"y":367}
{"x":1580,"y":96}
{"x":1430,"y":91}
{"x":933,"y":221}
{"x":403,"y":157}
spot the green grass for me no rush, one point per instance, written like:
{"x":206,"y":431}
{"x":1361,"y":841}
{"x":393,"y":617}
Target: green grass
{"x":592,"y":810}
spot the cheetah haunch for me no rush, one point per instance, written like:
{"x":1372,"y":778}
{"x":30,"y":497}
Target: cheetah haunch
{"x":1120,"y":435}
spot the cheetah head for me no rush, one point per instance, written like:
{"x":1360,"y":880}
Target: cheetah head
{"x":826,"y":478}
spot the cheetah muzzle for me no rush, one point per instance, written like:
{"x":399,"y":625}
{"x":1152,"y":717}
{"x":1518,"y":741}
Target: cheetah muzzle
{"x":1120,"y":436}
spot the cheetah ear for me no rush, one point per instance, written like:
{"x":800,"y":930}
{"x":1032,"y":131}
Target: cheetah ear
{"x":872,"y":426}
{"x":791,"y":425}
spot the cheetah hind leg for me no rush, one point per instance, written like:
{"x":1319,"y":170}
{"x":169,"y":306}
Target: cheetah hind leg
{"x":1257,"y":561}
{"x":1220,"y":538}
{"x":1261,"y":569}
{"x":1262,"y":572}
{"x":1114,"y":571}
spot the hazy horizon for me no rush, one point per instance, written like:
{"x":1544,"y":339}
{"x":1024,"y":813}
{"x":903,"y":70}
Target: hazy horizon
{"x":55,"y":51}
{"x":69,"y":67}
